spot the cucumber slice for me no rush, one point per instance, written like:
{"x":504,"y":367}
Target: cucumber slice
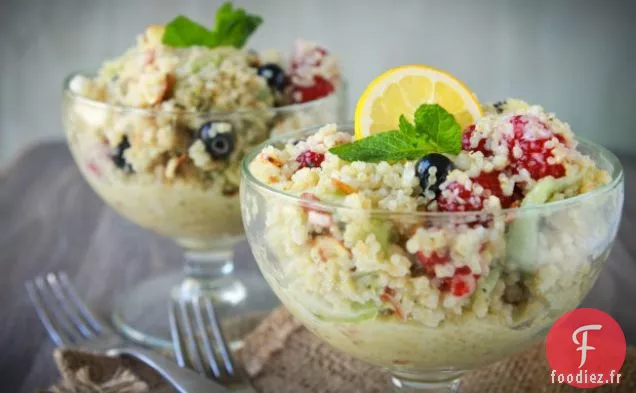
{"x":355,"y":312}
{"x":487,"y":284}
{"x":382,"y":231}
{"x":522,"y":238}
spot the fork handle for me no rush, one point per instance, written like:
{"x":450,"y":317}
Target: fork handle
{"x":182,"y":379}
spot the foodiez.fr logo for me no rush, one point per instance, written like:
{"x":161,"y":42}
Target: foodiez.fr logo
{"x":586,"y":349}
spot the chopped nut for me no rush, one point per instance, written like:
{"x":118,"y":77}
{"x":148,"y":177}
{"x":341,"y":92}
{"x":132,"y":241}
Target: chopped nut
{"x":275,"y":161}
{"x":165,"y":90}
{"x":173,"y":165}
{"x":154,"y":35}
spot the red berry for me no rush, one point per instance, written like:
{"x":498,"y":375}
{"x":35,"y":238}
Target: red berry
{"x":518,"y":124}
{"x":433,"y":259}
{"x":429,"y":262}
{"x":530,"y":136}
{"x":490,"y":182}
{"x":491,"y":185}
{"x":481,"y":145}
{"x":320,"y":88}
{"x":463,"y":282}
{"x":459,"y":286}
{"x":463,"y":199}
{"x":464,"y":270}
{"x":307,"y":54}
{"x":310,"y":159}
{"x":445,"y":284}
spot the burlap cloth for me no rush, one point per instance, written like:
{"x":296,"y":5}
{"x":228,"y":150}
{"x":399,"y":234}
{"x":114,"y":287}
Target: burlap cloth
{"x":283,"y":357}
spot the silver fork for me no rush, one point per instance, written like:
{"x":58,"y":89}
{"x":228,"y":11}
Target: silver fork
{"x":199,"y":343}
{"x":70,"y":323}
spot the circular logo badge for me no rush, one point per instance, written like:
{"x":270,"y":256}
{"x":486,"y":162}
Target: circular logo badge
{"x":586,"y":348}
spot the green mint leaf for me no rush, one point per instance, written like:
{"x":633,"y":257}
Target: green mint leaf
{"x":385,"y":146}
{"x":439,"y":127}
{"x":406,"y":126}
{"x":232,"y":28}
{"x":183,"y":32}
{"x":435,"y":131}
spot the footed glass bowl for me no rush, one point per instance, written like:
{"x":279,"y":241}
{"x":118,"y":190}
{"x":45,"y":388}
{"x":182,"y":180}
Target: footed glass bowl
{"x":356,"y":282}
{"x":164,"y":177}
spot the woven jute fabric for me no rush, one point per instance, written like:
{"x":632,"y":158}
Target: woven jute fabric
{"x":283,"y":357}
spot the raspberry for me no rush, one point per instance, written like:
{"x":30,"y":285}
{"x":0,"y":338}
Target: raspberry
{"x":462,"y":199}
{"x":433,"y":259}
{"x":445,"y":284}
{"x":490,"y":182}
{"x":429,"y":262}
{"x":458,"y":287}
{"x":530,"y":135}
{"x":464,"y":270}
{"x":310,"y":159}
{"x":307,"y":79}
{"x":320,"y":88}
{"x":461,"y":284}
{"x":481,"y":145}
{"x":307,"y":54}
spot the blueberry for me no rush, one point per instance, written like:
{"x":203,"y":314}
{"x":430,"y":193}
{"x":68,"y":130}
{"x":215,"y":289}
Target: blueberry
{"x":117,"y":155}
{"x":274,"y":75}
{"x":218,"y":138}
{"x":423,"y":167}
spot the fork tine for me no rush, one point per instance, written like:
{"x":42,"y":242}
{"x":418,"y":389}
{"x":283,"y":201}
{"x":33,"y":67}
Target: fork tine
{"x":57,"y":336}
{"x":97,"y":324}
{"x":204,"y":333}
{"x":177,"y":334}
{"x":218,"y":336}
{"x":55,"y":311}
{"x":67,"y":304}
{"x":191,"y":347}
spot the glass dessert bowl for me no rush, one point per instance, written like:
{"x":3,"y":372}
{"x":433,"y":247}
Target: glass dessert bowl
{"x":421,"y":284}
{"x":159,"y":134}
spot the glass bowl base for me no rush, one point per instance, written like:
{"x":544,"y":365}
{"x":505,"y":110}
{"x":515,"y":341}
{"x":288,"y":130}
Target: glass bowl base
{"x":406,"y":386}
{"x":141,"y":314}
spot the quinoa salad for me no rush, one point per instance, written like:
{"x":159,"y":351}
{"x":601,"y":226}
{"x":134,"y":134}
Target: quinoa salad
{"x":159,"y":132}
{"x":482,"y":275}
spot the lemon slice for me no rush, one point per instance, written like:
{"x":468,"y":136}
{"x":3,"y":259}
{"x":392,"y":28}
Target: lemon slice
{"x":403,"y":89}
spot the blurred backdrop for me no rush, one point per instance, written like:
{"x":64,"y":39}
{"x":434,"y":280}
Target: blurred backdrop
{"x":575,"y":57}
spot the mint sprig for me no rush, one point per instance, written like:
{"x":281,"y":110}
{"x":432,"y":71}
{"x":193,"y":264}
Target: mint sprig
{"x":435,"y":131}
{"x":183,"y":32}
{"x":232,"y":28}
{"x":440,"y":127}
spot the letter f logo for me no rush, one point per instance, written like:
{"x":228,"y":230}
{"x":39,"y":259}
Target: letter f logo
{"x":583,"y":344}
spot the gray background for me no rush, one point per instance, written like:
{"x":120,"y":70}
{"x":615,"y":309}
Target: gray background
{"x":576,"y":57}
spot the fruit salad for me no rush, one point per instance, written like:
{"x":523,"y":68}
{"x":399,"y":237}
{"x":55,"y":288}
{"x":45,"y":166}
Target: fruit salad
{"x":432,"y":244}
{"x":159,"y":131}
